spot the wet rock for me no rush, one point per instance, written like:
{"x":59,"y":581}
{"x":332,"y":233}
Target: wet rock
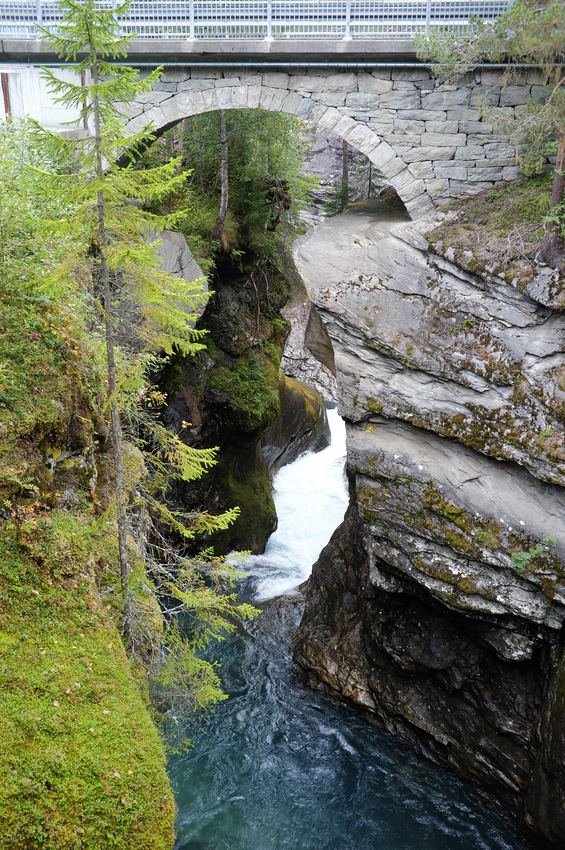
{"x":302,"y":425}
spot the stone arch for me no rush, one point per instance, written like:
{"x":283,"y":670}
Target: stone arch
{"x":181,"y":94}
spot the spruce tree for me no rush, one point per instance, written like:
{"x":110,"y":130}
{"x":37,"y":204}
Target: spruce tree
{"x":109,"y":203}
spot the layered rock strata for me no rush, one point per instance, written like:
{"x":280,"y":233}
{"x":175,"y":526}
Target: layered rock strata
{"x":439,"y":603}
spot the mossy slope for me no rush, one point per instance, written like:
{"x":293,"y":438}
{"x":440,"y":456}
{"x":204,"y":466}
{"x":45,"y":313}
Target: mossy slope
{"x":82,"y":765}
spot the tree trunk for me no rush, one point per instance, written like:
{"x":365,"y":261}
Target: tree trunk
{"x":552,"y":249}
{"x":103,"y":275}
{"x":224,"y":179}
{"x":344,"y":174}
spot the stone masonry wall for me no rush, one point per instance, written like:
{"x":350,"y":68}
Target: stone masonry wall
{"x":426,"y":138}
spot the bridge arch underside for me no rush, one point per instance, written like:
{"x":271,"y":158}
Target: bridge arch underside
{"x":427,"y":140}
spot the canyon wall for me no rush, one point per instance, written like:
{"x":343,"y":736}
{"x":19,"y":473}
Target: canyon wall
{"x":439,"y":603}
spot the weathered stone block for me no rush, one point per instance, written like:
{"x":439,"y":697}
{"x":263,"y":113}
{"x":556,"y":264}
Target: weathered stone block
{"x":341,"y":83}
{"x":412,"y":189}
{"x":408,"y":139}
{"x":421,"y":114}
{"x":210,"y":97}
{"x":437,"y":188}
{"x":330,"y":98}
{"x":474,"y":127}
{"x":425,"y":152}
{"x":358,"y":135}
{"x":441,"y":140}
{"x":498,"y":150}
{"x":481,"y":138}
{"x":344,"y":125}
{"x":329,"y":119}
{"x":444,"y":99}
{"x":232,"y":98}
{"x":482,"y":94}
{"x":228,"y":81}
{"x":470,"y":152}
{"x":362,"y":101}
{"x":422,"y":170}
{"x":197,"y":85}
{"x":382,"y":154}
{"x":153,"y":97}
{"x":306,"y":83}
{"x":253,"y":96}
{"x":393,"y":167}
{"x":400,"y":100}
{"x":511,"y":172}
{"x":375,"y":85}
{"x":279,"y":97}
{"x":276,"y":80}
{"x":461,"y":188}
{"x":403,"y":85}
{"x":420,"y":206}
{"x":266,"y":97}
{"x":409,"y":126}
{"x":454,"y":171}
{"x":174,"y":76}
{"x":195,"y":73}
{"x":479,"y":174}
{"x":442,"y":127}
{"x":130,"y":110}
{"x":540,"y":92}
{"x":410,"y":74}
{"x":292,"y":103}
{"x":514,"y":95}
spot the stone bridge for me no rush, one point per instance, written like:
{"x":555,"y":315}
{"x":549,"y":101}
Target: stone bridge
{"x":427,"y":139}
{"x":346,"y":66}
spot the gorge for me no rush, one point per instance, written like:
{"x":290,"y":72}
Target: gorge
{"x":282,"y":439}
{"x":415,"y":610}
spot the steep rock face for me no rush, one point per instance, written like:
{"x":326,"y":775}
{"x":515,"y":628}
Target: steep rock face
{"x":233,"y":396}
{"x":452,"y":385}
{"x":302,"y":425}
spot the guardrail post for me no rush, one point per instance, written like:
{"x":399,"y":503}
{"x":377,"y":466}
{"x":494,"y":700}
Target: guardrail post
{"x":270,"y":20}
{"x":428,"y":15}
{"x":191,"y":18}
{"x":347,"y":19}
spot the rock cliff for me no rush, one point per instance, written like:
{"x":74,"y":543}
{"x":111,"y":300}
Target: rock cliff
{"x":439,"y":603}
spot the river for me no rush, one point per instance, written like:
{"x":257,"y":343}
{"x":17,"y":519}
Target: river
{"x":281,"y":767}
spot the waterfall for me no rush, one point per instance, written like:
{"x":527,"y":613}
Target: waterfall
{"x":310,"y":497}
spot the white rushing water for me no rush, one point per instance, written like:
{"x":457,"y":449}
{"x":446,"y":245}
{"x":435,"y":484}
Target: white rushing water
{"x":310,"y":497}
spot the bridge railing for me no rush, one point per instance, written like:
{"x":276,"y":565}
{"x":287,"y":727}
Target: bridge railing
{"x":270,"y":19}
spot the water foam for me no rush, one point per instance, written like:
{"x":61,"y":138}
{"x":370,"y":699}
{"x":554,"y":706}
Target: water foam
{"x":310,"y":497}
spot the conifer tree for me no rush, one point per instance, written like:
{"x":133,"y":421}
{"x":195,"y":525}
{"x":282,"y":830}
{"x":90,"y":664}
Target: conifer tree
{"x":108,"y":204}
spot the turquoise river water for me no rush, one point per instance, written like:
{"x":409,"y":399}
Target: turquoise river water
{"x":280,"y":767}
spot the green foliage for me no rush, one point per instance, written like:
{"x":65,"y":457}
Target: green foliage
{"x":74,"y":781}
{"x":266,"y":187}
{"x":527,"y":33}
{"x":521,"y":560}
{"x":501,"y":228}
{"x":250,"y":388}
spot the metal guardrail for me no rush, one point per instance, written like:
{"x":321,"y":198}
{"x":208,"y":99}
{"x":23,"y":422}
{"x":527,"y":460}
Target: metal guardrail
{"x":265,"y":19}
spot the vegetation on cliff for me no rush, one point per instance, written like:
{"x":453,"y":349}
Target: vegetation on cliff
{"x":528,"y":34}
{"x":87,"y":315}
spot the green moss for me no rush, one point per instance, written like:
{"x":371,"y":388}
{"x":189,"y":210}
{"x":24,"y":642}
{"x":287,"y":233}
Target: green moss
{"x":483,"y":233}
{"x":434,"y":500}
{"x":85,"y":764}
{"x":249,"y":389}
{"x":374,"y":406}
